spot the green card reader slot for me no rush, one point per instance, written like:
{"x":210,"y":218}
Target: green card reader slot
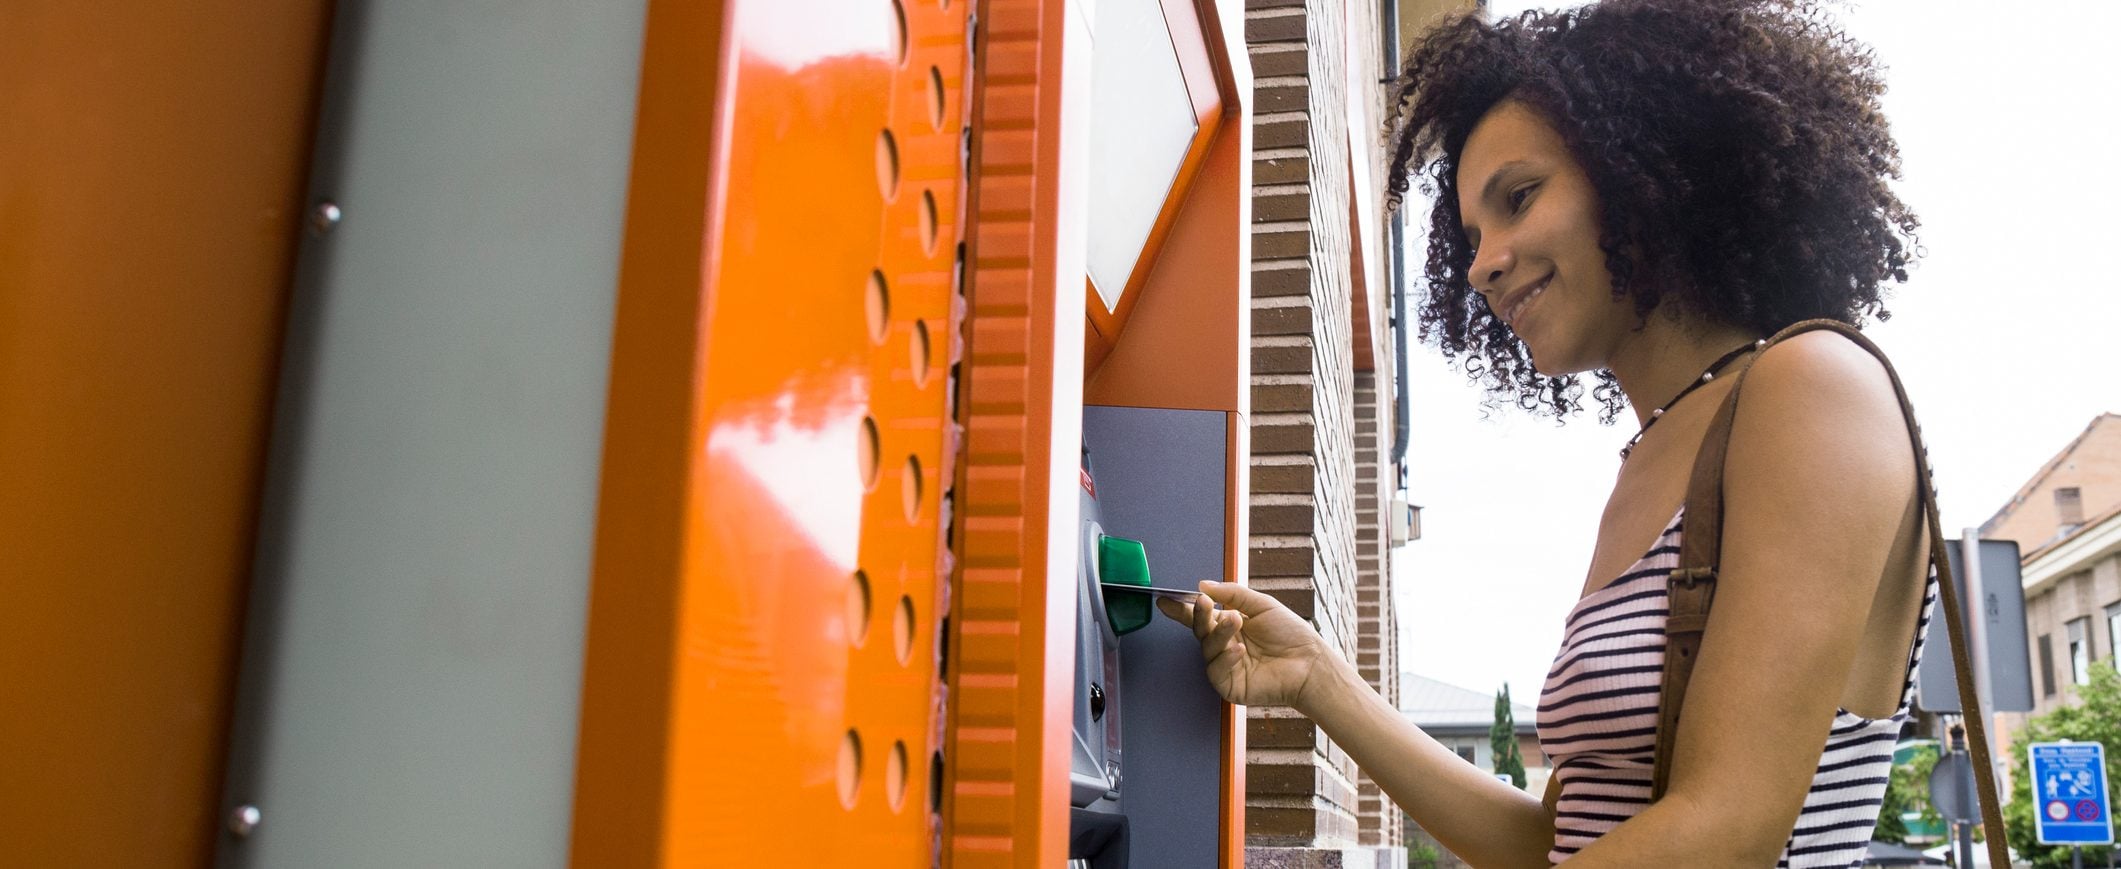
{"x":1124,"y":562}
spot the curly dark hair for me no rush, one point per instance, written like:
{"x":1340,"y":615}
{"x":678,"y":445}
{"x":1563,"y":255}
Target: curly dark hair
{"x":1737,"y":149}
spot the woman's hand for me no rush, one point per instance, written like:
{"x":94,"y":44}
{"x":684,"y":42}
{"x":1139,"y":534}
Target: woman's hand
{"x":1259,"y":653}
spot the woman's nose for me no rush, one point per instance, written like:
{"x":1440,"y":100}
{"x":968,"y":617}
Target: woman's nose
{"x":1490,"y":263}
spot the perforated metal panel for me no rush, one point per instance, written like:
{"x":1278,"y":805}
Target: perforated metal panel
{"x":805,"y":725}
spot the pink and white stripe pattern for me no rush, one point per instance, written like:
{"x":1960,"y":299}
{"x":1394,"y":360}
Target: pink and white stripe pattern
{"x":1598,"y":723}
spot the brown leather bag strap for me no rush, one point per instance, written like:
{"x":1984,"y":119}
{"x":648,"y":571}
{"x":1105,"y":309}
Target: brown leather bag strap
{"x":1691,"y":587}
{"x":1693,"y":584}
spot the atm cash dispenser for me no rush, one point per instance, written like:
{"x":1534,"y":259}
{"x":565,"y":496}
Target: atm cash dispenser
{"x":1097,"y":827}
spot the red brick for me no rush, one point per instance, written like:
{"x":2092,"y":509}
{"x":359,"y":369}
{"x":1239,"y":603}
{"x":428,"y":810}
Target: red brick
{"x":1280,"y":282}
{"x":1281,"y":170}
{"x":1275,"y":28}
{"x":1282,"y":360}
{"x":1283,"y":437}
{"x":1284,"y":320}
{"x":1283,"y":518}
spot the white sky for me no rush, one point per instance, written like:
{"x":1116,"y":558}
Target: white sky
{"x":2005,"y":333}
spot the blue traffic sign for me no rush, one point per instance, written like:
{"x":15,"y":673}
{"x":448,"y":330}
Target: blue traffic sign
{"x":2069,"y":794}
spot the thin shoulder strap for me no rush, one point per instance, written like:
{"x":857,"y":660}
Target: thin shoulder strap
{"x":1693,"y":584}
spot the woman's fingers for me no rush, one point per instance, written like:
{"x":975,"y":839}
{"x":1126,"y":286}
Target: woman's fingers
{"x":1226,"y":628}
{"x":1223,"y":638}
{"x":1238,"y":597}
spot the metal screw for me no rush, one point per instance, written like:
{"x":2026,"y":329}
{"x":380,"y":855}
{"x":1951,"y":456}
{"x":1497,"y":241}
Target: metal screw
{"x":324,"y":218}
{"x":1097,"y":702}
{"x":243,"y":820}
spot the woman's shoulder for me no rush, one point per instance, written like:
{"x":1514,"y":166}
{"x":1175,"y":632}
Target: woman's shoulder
{"x":1822,"y":370}
{"x":1818,"y":406}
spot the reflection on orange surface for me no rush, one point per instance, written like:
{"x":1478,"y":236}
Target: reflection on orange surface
{"x":799,"y":697}
{"x":804,"y":472}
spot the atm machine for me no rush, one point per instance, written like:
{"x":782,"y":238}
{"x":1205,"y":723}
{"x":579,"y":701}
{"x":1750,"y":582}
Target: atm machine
{"x":1097,"y":825}
{"x":1157,"y":758}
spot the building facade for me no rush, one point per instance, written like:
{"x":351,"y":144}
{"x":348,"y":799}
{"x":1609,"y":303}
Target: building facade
{"x":1462,"y":718}
{"x":2066,"y":521}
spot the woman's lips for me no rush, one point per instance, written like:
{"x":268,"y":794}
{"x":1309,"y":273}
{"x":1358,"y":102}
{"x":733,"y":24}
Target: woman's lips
{"x":1516,"y":308}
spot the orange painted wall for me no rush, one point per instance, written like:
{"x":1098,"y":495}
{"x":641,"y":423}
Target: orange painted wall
{"x":155,"y":155}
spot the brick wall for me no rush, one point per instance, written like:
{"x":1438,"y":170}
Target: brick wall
{"x":1376,"y":620}
{"x":2092,"y":464}
{"x":1317,"y":539}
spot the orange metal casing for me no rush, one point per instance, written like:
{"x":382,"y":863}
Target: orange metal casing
{"x":155,"y":155}
{"x":1012,"y":649}
{"x":638,"y":581}
{"x":1205,"y":69}
{"x":729,"y":660}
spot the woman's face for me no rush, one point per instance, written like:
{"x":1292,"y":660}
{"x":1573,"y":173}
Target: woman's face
{"x":1532,"y":217}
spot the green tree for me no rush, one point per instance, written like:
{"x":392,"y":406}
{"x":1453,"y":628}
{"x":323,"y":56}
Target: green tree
{"x":2096,"y":717}
{"x":1907,"y":790}
{"x":1502,"y":736}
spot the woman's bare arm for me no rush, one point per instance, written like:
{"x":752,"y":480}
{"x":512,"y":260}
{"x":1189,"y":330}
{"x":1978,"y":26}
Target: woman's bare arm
{"x":1482,"y":820}
{"x":1259,"y":653}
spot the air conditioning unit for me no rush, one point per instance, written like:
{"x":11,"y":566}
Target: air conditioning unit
{"x":1405,"y":520}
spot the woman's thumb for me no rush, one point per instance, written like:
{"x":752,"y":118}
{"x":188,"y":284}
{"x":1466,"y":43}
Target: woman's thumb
{"x":1231,"y":595}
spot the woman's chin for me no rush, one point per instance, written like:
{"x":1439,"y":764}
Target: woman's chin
{"x":1540,"y":361}
{"x":1552,"y":364}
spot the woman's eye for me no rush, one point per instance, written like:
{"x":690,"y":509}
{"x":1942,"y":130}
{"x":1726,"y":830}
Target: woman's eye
{"x":1518,"y":196}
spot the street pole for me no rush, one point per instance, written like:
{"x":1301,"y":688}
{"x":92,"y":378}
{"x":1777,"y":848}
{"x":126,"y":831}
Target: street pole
{"x":1964,"y":830}
{"x":2076,"y":857}
{"x":1976,"y":602}
{"x":1976,"y":614}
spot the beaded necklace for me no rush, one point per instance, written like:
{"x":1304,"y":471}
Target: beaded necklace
{"x":1705,"y":377}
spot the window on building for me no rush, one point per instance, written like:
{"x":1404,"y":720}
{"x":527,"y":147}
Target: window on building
{"x":1465,"y":751}
{"x":2080,"y":650}
{"x":2047,"y":667}
{"x":2069,"y":506}
{"x":2113,"y":632}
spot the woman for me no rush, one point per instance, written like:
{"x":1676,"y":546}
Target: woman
{"x":1645,"y":189}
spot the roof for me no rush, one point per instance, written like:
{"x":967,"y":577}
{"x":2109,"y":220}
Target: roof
{"x":2087,"y":526}
{"x":2046,"y":470}
{"x":1434,"y":705}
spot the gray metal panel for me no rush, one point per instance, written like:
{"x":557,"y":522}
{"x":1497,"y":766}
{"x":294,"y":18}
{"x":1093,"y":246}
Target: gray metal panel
{"x":1160,"y":480}
{"x":2010,"y":685}
{"x":412,"y":670}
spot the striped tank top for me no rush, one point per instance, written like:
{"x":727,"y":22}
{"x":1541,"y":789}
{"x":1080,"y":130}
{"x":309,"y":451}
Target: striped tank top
{"x":1597,"y":722}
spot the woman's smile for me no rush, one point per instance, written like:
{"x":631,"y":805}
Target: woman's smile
{"x":1514,"y":314}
